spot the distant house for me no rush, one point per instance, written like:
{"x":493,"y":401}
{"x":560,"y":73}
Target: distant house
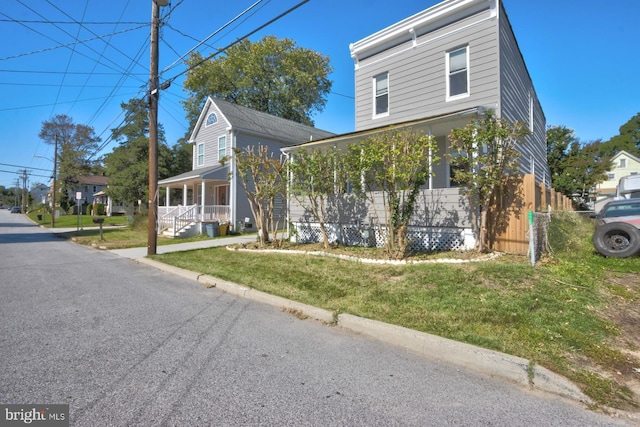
{"x":40,"y":194}
{"x":624,"y":164}
{"x":85,"y":187}
{"x":432,"y":72}
{"x":211,"y":190}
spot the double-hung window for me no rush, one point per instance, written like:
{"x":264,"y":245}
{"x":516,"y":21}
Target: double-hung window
{"x":458,"y":73}
{"x":381,"y":95}
{"x":200,"y":156}
{"x":222,"y":147}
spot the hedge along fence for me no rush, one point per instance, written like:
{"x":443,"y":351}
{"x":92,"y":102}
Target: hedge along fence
{"x":509,"y":214}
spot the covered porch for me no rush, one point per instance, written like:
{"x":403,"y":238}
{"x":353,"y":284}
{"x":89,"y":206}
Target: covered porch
{"x":194,"y":198}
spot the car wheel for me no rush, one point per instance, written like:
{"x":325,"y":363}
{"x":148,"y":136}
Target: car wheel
{"x":617,"y":239}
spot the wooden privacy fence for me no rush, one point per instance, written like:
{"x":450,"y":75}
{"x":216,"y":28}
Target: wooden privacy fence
{"x":509,"y":215}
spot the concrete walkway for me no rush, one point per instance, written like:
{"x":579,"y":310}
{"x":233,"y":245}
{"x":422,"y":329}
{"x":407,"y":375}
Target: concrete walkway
{"x":137,"y":253}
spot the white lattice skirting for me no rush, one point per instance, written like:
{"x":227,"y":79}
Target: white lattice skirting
{"x":419,"y":238}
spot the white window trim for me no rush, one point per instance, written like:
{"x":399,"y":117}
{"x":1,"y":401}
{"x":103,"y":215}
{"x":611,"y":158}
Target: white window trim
{"x":375,"y":98}
{"x":199,"y":158}
{"x":462,"y":95}
{"x":225,"y":146}
{"x":531,"y":111}
{"x":206,"y":122}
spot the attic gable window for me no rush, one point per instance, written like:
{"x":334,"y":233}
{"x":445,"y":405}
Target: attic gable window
{"x":458,"y":73}
{"x":211,"y":119}
{"x":381,"y":95}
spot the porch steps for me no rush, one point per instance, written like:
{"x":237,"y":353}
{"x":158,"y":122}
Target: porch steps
{"x":187,"y":231}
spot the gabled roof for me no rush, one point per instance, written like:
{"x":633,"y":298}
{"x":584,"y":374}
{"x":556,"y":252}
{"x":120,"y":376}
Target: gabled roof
{"x":622,"y":152}
{"x":243,"y":119}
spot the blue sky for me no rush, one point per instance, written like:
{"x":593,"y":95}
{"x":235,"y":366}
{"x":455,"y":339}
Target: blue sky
{"x":582,"y":56}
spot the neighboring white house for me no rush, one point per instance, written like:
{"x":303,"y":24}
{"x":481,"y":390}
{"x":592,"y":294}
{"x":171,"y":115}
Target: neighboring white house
{"x":211,"y":190}
{"x":86,"y":186}
{"x":624,"y":164}
{"x":432,"y":72}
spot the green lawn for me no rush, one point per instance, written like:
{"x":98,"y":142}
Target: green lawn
{"x":559,"y":314}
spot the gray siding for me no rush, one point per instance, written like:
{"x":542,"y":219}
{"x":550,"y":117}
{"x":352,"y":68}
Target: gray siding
{"x":440,"y":207}
{"x":417,"y":75}
{"x":516,"y":90}
{"x":209,"y":136}
{"x":243,"y":140}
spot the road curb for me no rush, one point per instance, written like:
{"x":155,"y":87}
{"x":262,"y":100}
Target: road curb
{"x":488,"y":362}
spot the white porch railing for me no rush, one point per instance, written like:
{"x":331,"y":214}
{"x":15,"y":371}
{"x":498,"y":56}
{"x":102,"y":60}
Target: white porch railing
{"x":220,"y":213}
{"x":177,"y":218}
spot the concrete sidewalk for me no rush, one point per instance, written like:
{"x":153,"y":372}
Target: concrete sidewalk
{"x":137,"y":253}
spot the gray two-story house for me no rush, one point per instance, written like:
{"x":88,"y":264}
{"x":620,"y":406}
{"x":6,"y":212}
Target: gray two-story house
{"x":212,"y":190}
{"x":432,"y":72}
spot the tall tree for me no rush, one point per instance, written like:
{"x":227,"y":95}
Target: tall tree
{"x":576,"y":168}
{"x":628,"y":139}
{"x":76,"y":146}
{"x":271,"y":75}
{"x":487,"y":149}
{"x":394,"y":162}
{"x":127,"y":166}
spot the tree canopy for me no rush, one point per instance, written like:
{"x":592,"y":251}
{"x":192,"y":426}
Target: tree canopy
{"x":628,"y":139}
{"x":127,"y":166}
{"x":77,"y":145}
{"x":271,"y":75}
{"x":575,"y":167}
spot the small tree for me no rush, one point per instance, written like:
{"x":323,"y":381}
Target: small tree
{"x":262,"y":177}
{"x":316,"y":175}
{"x":487,"y":149}
{"x":396,"y":163}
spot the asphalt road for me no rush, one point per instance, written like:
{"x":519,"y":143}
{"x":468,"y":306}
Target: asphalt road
{"x":125,"y":344}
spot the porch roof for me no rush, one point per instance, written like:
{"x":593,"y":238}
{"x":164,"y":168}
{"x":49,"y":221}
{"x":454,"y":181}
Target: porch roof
{"x":217,"y":173}
{"x":438,"y":125}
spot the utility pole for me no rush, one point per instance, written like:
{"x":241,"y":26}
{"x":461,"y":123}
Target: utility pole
{"x":55,"y":175}
{"x":17,"y":191}
{"x":154,"y":95}
{"x":23,"y":205}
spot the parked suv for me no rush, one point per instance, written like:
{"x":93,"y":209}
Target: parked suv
{"x":617,"y":231}
{"x":15,"y":209}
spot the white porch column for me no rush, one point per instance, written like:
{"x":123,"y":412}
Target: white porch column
{"x":233,"y":185}
{"x":167,"y":199}
{"x":430,"y":161}
{"x":203,"y":199}
{"x":185,"y":190}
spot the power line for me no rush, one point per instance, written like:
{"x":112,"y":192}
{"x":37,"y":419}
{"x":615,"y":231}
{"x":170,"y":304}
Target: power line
{"x":283,"y":14}
{"x":69,"y":45}
{"x":35,"y":21}
{"x":24,"y":167}
{"x":117,"y":73}
{"x":212,"y":34}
